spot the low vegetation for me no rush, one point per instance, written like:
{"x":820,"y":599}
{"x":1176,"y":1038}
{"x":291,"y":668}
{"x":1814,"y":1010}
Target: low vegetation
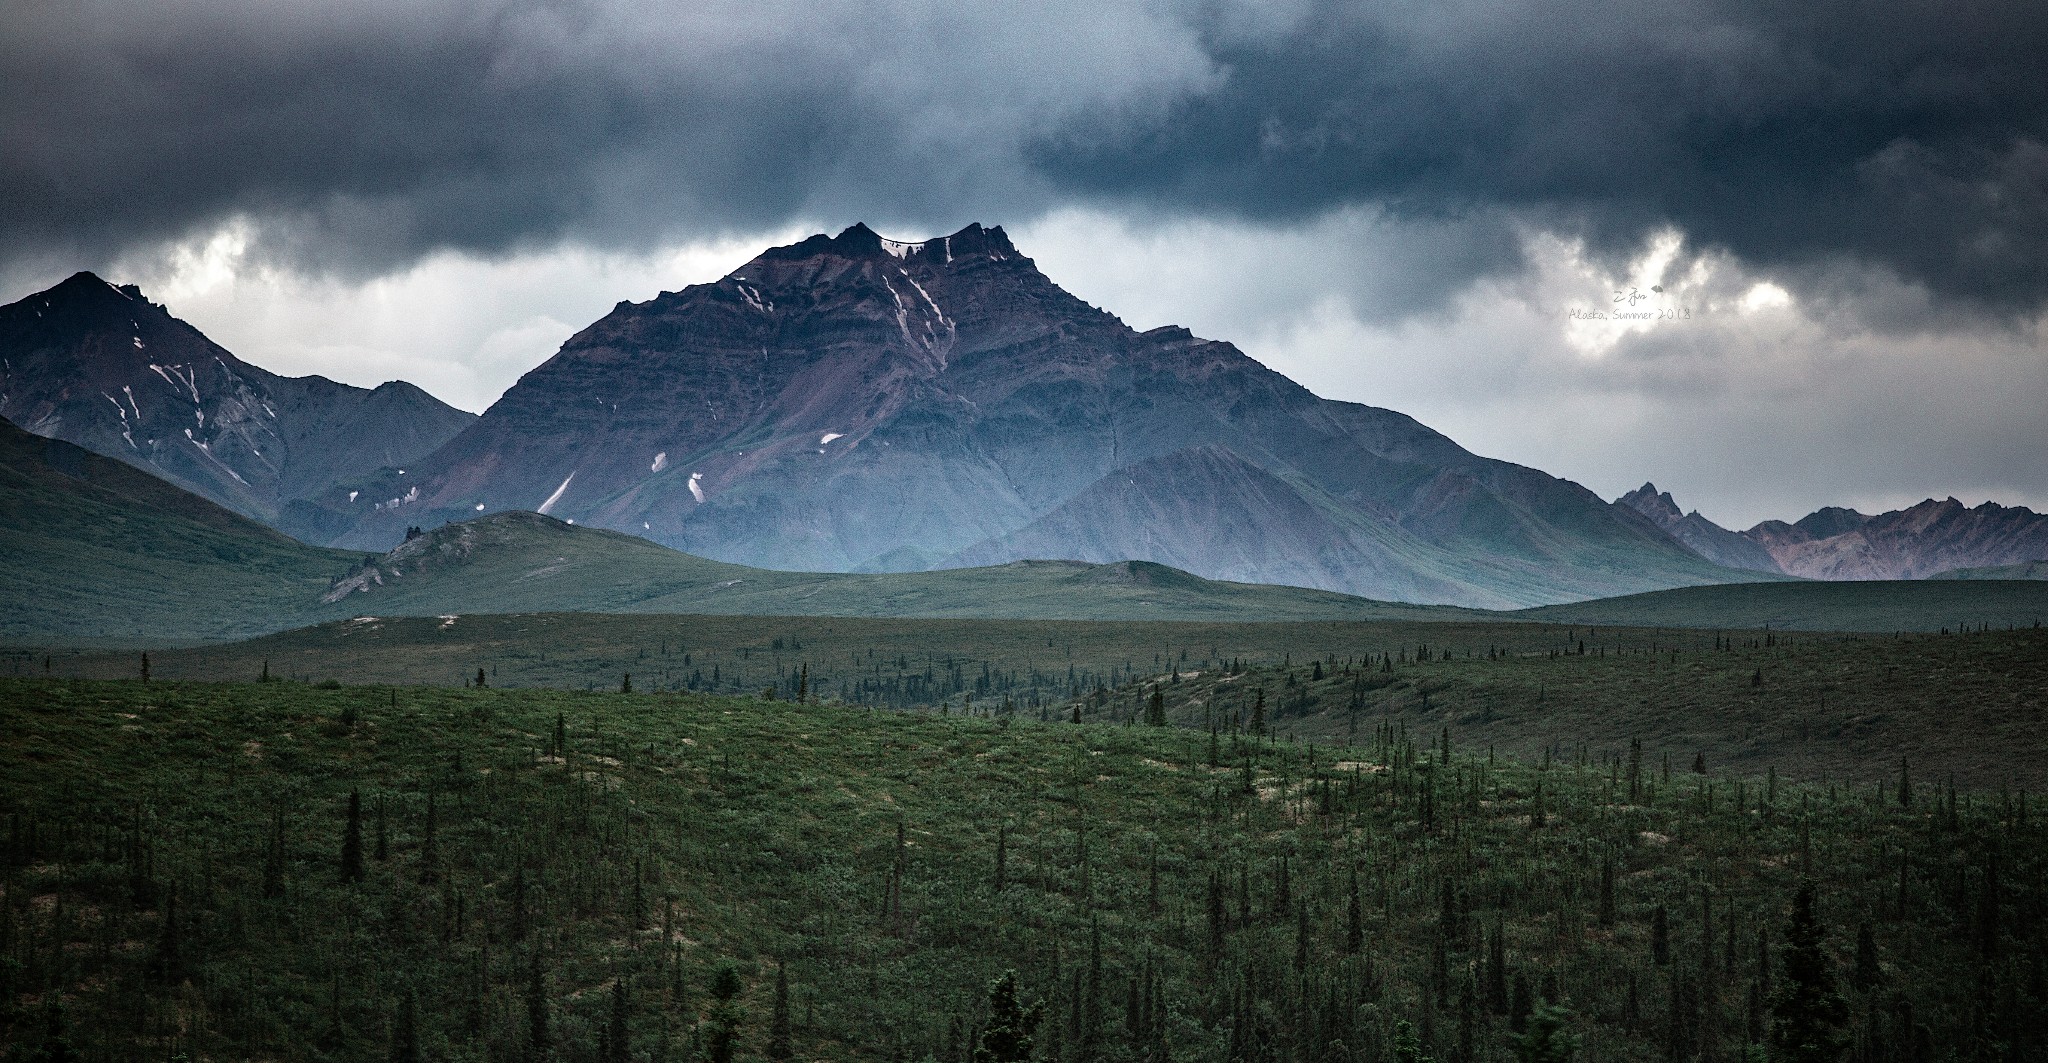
{"x":289,"y":871}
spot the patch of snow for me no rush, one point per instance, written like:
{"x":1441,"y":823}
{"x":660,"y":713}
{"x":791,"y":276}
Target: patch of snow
{"x":553,"y":498}
{"x":479,"y":507}
{"x":899,"y":248}
{"x":131,"y":401}
{"x":829,"y":437}
{"x":138,"y":343}
{"x":660,"y":462}
{"x":644,"y":526}
{"x":570,"y":522}
{"x":696,"y":492}
{"x":352,"y":495}
{"x":929,"y":301}
{"x":449,"y":621}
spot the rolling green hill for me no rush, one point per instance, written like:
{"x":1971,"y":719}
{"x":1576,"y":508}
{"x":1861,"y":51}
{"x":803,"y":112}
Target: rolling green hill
{"x":525,"y":563}
{"x":2024,"y":570}
{"x":1872,"y":605}
{"x":94,"y":550}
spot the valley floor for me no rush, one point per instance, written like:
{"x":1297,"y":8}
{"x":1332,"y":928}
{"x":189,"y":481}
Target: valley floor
{"x":285,"y":871}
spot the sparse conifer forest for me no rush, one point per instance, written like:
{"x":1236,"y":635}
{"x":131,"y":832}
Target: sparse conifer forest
{"x":313,"y":871}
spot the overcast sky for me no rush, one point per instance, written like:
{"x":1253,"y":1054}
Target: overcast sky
{"x":1845,"y":206}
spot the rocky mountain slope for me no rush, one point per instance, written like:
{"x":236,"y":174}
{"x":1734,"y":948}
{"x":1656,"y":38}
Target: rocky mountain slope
{"x":108,"y":370}
{"x":1913,"y":543}
{"x":1709,"y":540}
{"x":1834,"y":543}
{"x":855,"y":403}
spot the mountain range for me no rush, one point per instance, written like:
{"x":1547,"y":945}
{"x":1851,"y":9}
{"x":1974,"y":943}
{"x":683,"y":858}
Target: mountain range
{"x":105,"y":368}
{"x":852,"y":403}
{"x":856,"y":404}
{"x":1928,"y":540}
{"x":96,"y":551}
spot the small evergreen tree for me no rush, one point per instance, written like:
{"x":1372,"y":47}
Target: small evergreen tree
{"x":539,"y":1041}
{"x":778,"y":1023}
{"x":1545,"y":1040}
{"x":617,"y":1042}
{"x":722,"y":1039}
{"x":56,"y":1046}
{"x":1808,"y":1016}
{"x":1354,"y":925}
{"x":1006,"y":1035}
{"x":352,"y":840}
{"x":1607,"y":890}
{"x":273,"y":856}
{"x":405,"y":1039}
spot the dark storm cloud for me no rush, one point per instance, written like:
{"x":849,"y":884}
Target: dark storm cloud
{"x":1905,"y":137}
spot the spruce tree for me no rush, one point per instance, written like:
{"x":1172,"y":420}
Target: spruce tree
{"x":617,"y":1041}
{"x":1660,"y":936}
{"x":1006,"y":1033}
{"x":1545,"y":1040}
{"x":722,"y":1040}
{"x":352,"y":840}
{"x":1497,"y":969}
{"x":56,"y":1045}
{"x":1519,"y":1005}
{"x":273,"y":856}
{"x":1865,"y":977}
{"x":430,"y":847}
{"x":778,"y":1022}
{"x":1808,"y":1016}
{"x":1354,"y":925}
{"x":1607,"y":890}
{"x":168,"y":959}
{"x":405,"y":1038}
{"x":539,"y":1041}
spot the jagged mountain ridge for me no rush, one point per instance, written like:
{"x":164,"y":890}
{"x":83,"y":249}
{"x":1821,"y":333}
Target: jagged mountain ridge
{"x":1709,"y":540}
{"x":106,"y":369}
{"x":1836,"y":543}
{"x":856,"y":403}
